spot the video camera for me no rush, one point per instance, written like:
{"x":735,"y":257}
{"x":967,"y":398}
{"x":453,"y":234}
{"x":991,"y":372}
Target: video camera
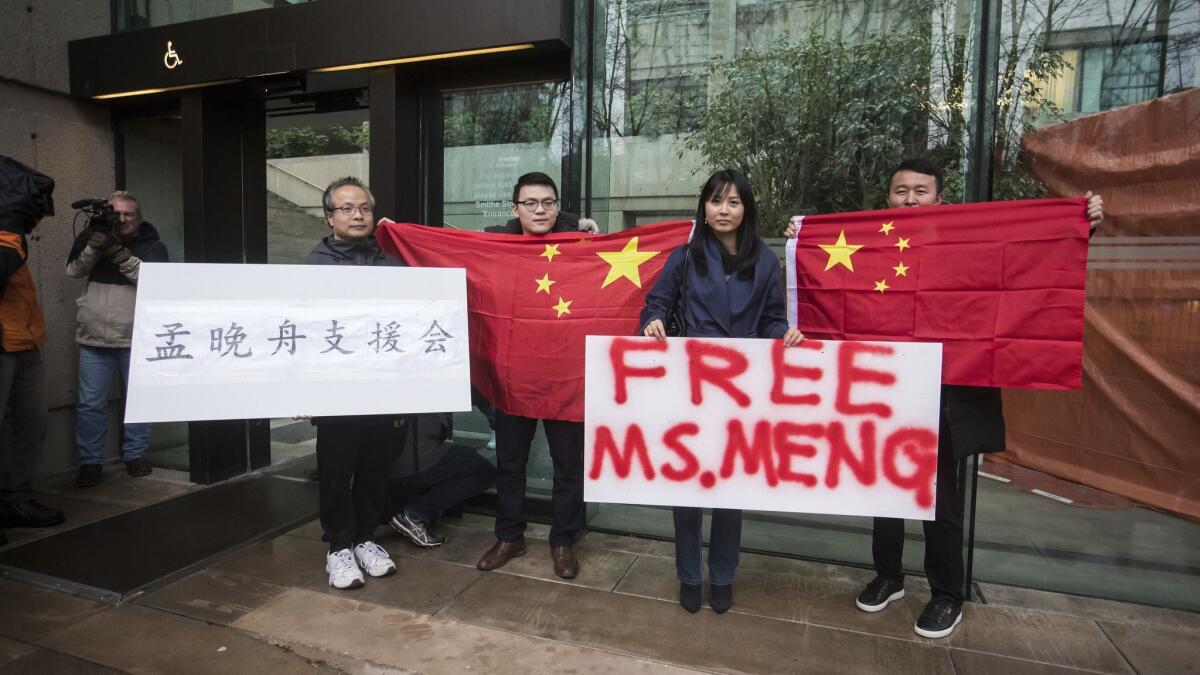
{"x":101,"y":215}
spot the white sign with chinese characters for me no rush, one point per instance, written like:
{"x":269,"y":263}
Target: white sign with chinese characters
{"x":253,"y":341}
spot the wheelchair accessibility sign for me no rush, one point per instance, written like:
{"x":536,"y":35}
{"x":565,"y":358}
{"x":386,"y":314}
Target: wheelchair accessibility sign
{"x":171,"y":59}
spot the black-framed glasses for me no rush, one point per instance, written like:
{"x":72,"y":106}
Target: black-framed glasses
{"x":349,"y":211}
{"x":532,"y":204}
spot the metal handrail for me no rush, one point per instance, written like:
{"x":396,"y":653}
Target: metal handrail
{"x":302,"y":180}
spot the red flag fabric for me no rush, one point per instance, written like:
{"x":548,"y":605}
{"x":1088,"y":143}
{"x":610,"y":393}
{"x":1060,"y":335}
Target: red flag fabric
{"x":999,"y":284}
{"x":533,"y":298}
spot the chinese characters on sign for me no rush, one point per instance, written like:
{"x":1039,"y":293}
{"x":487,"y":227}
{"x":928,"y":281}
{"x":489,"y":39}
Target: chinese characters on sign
{"x":229,"y":341}
{"x":254,"y":341}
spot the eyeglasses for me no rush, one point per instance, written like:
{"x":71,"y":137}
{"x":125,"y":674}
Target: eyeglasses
{"x":349,"y":211}
{"x":532,"y":204}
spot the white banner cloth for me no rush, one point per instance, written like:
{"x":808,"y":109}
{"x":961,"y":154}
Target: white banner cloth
{"x":824,"y":427}
{"x":252,"y":341}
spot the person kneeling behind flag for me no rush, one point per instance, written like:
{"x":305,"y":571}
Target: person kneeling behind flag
{"x":430,"y":476}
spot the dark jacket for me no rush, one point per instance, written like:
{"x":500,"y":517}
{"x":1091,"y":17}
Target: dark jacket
{"x":363,"y":252}
{"x":424,"y":445}
{"x":104,"y":314}
{"x":975,"y":418}
{"x":565,"y":222}
{"x":26,"y":195}
{"x":718,"y":307}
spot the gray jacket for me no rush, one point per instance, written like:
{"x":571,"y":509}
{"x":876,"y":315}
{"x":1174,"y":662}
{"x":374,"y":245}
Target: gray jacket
{"x":104,"y":313}
{"x":330,"y":251}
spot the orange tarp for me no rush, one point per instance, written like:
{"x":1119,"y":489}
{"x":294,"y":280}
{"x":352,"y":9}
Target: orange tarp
{"x":1133,"y":429}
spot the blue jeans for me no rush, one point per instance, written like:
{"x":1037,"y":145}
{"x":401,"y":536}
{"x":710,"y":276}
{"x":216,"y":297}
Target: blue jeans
{"x":724,"y":539}
{"x":97,"y":365}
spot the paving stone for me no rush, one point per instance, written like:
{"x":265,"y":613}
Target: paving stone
{"x":664,"y":631}
{"x":77,"y":510}
{"x":978,"y":663}
{"x":420,"y":584}
{"x":212,"y":596}
{"x":143,"y":640}
{"x":814,"y":570}
{"x":1056,"y":639}
{"x":1155,"y":650}
{"x":28,"y":612}
{"x":807,"y":597}
{"x":1091,"y":608}
{"x":396,"y":638}
{"x":639,"y":546}
{"x":118,"y":487}
{"x":42,"y":661}
{"x":309,"y":530}
{"x":11,"y":650}
{"x":599,"y":567}
{"x":285,"y":561}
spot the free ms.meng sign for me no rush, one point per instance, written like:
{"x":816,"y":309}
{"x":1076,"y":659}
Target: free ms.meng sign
{"x":823,"y":427}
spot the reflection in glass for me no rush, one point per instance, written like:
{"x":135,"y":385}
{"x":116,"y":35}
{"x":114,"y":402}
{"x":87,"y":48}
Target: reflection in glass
{"x":492,"y":136}
{"x":135,"y":14}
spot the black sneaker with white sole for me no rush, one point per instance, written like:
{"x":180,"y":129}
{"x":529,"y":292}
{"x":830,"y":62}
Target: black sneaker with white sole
{"x":416,"y":531}
{"x":940,"y":617}
{"x":879,"y":593}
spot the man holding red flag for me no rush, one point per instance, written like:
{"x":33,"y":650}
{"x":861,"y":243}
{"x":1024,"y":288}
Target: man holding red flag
{"x":971,"y":422}
{"x":535,"y":208}
{"x":535,"y":291}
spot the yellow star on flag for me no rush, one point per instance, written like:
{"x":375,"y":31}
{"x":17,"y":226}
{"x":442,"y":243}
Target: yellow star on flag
{"x":902,"y":243}
{"x":550,"y":252}
{"x":901,"y":270}
{"x":624,"y":263}
{"x":881,"y":285}
{"x":563,"y":306}
{"x":840,"y":252}
{"x":544,"y":284}
{"x":887,"y":228}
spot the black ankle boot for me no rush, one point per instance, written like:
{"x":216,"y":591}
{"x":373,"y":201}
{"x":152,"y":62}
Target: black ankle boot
{"x":689,"y":597}
{"x":721,"y":597}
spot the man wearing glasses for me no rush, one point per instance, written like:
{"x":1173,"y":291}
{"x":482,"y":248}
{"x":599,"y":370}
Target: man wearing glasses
{"x":354,"y":452}
{"x":535,"y":210}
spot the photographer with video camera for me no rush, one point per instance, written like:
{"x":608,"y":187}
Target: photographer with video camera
{"x":109,"y":252}
{"x":25,"y":197}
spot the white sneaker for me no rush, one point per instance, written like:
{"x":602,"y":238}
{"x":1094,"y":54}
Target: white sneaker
{"x":343,"y":573}
{"x":374,"y":560}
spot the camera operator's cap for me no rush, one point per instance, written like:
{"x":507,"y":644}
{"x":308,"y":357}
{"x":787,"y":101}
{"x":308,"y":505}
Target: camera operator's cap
{"x":24,"y":191}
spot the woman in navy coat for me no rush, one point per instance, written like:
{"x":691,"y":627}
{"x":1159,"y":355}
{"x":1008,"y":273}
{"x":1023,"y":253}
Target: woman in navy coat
{"x":726,"y":282}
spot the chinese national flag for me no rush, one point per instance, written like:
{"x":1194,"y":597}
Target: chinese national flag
{"x":533,"y":299}
{"x":999,"y":284}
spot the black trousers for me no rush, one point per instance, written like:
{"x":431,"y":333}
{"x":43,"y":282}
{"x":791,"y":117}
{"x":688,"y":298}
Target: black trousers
{"x":23,"y":393}
{"x":354,"y":457}
{"x":459,"y":475}
{"x":514,"y":435}
{"x":943,"y":535}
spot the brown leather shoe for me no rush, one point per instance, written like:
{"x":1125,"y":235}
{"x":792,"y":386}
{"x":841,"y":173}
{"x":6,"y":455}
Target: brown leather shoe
{"x":500,"y":553}
{"x":565,"y":563}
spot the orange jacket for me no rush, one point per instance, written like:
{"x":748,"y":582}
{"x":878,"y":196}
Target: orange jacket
{"x":21,"y":324}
